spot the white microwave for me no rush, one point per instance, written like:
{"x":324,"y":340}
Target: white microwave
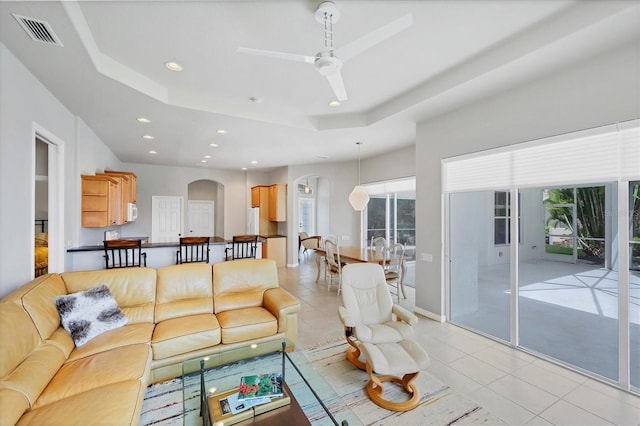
{"x":132,"y":212}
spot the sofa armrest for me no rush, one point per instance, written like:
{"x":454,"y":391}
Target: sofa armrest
{"x":404,"y":314}
{"x":281,"y":304}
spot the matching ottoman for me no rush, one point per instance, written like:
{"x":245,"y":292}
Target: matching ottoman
{"x":398,"y":362}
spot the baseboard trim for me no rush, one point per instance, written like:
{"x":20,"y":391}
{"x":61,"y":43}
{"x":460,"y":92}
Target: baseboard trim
{"x":430,"y":315}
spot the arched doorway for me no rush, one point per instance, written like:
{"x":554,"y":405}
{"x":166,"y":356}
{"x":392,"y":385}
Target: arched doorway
{"x":205,"y":208}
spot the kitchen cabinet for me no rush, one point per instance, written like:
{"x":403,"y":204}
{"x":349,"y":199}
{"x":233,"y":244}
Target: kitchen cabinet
{"x":255,"y":196}
{"x":275,"y":248}
{"x":101,"y":201}
{"x":260,"y":199}
{"x":128,"y":189}
{"x":278,"y":202}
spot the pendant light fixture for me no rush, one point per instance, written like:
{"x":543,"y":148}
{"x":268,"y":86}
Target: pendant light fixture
{"x":307,"y":188}
{"x":359,"y":197}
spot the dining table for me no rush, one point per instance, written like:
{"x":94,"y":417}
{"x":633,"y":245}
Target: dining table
{"x":350,"y":254}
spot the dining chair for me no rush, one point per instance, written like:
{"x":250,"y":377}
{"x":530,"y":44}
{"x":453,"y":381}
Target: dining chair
{"x":242,"y":247}
{"x":333,"y":264}
{"x":393,"y":268}
{"x":124,"y":254}
{"x":193,"y":249}
{"x":378,"y":244}
{"x":309,"y":242}
{"x":325,"y":238}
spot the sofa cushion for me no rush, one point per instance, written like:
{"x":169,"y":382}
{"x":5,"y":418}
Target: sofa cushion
{"x":15,"y":327}
{"x":130,"y":334}
{"x":185,"y":334}
{"x":89,"y":313}
{"x":37,"y":298}
{"x":239,"y":325}
{"x":133,"y":288}
{"x":117,"y":365}
{"x":12,"y":405}
{"x":183,"y":290}
{"x":241,"y":283}
{"x":116,"y":404}
{"x":34,"y":373}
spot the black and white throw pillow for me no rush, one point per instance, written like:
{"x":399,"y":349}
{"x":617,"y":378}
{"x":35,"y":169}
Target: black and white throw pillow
{"x":86,"y":314}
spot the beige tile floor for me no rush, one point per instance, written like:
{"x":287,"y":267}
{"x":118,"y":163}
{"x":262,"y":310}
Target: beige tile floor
{"x":517,"y":387}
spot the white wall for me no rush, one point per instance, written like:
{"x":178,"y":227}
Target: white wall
{"x":598,"y":91}
{"x":93,"y":157}
{"x":174,"y":181}
{"x":25,"y":105}
{"x":334,"y":186}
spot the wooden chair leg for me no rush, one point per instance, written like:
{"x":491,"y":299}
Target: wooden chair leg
{"x":375,"y":390}
{"x":353,"y":351}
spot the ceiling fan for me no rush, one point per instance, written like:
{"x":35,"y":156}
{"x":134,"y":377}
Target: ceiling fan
{"x":329,"y":60}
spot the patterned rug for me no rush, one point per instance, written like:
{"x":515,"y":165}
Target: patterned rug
{"x":341,"y":388}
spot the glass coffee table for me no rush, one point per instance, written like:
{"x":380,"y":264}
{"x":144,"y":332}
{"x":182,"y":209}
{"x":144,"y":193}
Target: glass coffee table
{"x":211,"y":384}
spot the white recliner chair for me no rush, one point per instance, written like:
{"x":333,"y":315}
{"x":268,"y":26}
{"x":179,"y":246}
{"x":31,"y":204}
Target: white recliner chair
{"x":380,"y":334}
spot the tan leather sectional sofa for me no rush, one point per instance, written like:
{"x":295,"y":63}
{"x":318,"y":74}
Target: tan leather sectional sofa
{"x":174,"y":313}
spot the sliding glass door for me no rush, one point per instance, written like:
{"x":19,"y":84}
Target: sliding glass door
{"x":568,"y":310}
{"x":479,"y":262}
{"x":634,"y":282}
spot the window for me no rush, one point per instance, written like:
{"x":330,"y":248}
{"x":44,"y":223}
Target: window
{"x":391,"y":213}
{"x":501,"y":221}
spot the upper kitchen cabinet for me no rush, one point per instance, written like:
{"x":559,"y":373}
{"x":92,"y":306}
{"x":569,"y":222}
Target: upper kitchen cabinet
{"x":278,"y":202}
{"x":101,"y":201}
{"x":128,"y":189}
{"x":259,"y":193}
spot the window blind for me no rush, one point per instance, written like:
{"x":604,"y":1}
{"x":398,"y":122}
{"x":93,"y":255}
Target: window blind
{"x":608,"y":153}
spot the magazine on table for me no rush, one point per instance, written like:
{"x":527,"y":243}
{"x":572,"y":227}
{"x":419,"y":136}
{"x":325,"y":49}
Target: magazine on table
{"x":261,"y":385}
{"x":232,"y":404}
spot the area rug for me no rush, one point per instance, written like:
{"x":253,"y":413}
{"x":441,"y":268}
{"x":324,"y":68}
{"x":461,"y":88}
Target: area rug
{"x":341,"y":388}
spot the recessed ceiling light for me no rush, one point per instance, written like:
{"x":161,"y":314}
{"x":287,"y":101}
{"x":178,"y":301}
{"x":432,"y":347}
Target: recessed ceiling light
{"x":207,"y":156}
{"x":173,"y":66}
{"x":153,"y":152}
{"x":244,"y":168}
{"x":215,"y":145}
{"x":254,"y":162}
{"x":323,"y":157}
{"x":222,"y":131}
{"x":334,"y":103}
{"x":148,"y":137}
{"x":143,"y":120}
{"x":203,"y":161}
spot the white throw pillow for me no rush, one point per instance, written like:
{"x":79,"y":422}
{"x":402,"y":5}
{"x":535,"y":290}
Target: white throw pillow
{"x":86,"y":314}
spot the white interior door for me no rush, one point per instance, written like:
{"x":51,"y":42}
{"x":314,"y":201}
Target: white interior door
{"x":200,"y":214}
{"x":166,"y":219}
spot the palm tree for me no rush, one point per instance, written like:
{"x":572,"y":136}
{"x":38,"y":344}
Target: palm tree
{"x":590,"y":210}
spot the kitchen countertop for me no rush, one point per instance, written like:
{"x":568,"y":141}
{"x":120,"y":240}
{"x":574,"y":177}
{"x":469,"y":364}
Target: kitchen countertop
{"x":212,"y":240}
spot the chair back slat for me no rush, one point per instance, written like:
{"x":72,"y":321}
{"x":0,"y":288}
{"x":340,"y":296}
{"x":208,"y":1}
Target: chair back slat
{"x":193,"y":249}
{"x":242,"y":247}
{"x":124,"y":254}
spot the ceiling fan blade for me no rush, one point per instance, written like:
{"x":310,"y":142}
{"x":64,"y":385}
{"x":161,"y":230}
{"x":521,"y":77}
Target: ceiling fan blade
{"x":369,"y":40}
{"x":278,"y":55}
{"x":335,"y":80}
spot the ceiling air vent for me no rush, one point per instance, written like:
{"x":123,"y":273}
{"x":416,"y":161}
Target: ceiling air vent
{"x":38,"y":30}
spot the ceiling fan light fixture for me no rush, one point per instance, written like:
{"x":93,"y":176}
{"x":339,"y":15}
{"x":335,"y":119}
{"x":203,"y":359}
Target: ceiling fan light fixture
{"x":173,"y":66}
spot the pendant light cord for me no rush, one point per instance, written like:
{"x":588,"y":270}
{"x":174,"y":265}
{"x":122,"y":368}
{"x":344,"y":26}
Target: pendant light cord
{"x":359,"y":143}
